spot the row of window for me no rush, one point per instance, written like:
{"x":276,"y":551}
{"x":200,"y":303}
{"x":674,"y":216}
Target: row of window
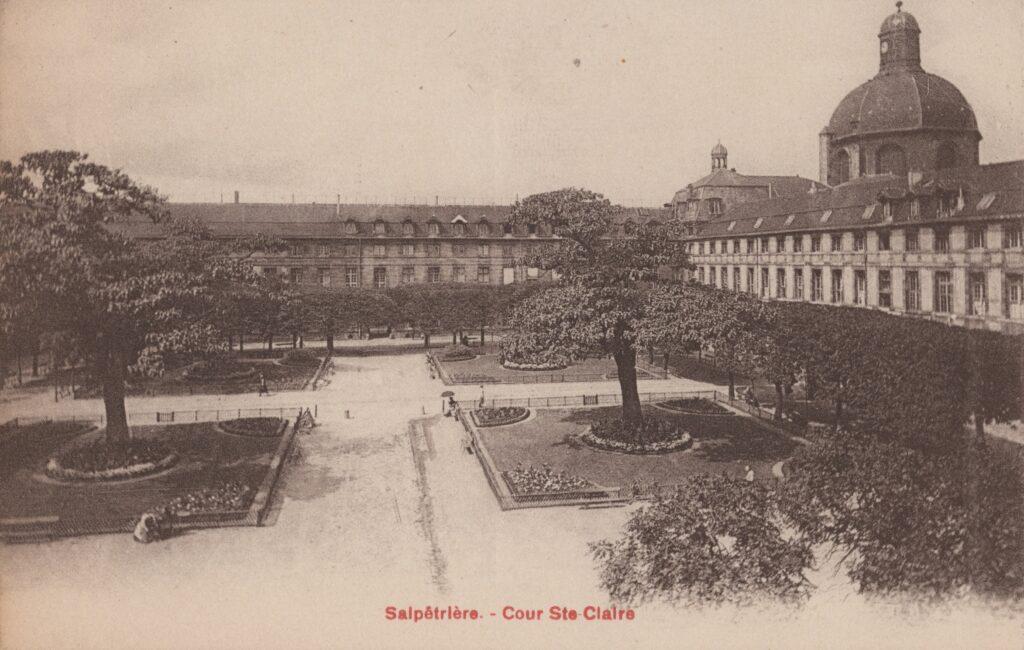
{"x":483,"y":229}
{"x":976,"y":238}
{"x":410,"y":248}
{"x":942,"y":288}
{"x":323,"y":276}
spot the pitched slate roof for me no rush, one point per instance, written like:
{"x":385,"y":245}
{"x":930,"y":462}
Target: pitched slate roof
{"x":857,"y":203}
{"x":325,"y":221}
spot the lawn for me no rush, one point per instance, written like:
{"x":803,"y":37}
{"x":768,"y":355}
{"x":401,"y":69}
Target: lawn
{"x":208,"y":458}
{"x":279,"y":376}
{"x":722,"y":445}
{"x":486,"y":369}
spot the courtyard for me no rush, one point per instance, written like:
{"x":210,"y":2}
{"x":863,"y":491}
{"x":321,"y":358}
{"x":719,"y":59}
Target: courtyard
{"x":384,"y":507}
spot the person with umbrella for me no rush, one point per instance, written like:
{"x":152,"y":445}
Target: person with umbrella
{"x":447,"y":403}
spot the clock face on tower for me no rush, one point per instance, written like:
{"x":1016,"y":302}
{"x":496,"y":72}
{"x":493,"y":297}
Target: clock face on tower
{"x":885,"y":46}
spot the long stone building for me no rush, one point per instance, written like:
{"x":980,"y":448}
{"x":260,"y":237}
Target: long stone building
{"x":905,"y":219}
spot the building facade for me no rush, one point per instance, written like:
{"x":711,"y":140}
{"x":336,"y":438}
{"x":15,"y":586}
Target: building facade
{"x":380,"y":246}
{"x":909,"y":222}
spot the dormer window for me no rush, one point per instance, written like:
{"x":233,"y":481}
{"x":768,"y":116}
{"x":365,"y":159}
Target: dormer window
{"x":460,"y":229}
{"x":715,"y":206}
{"x":507,"y":228}
{"x":434,"y":228}
{"x":379,"y":228}
{"x":350,"y":227}
{"x":483,"y":229}
{"x":949,"y":203}
{"x":408,"y":229}
{"x":887,"y":210}
{"x":531,"y":228}
{"x":915,"y":208}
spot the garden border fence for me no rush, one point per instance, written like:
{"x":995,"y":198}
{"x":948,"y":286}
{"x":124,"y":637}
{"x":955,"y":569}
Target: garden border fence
{"x":173,"y":416}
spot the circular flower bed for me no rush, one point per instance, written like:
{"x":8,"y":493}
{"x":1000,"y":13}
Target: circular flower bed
{"x":695,"y":406}
{"x":229,"y":496}
{"x":530,"y":480}
{"x":542,"y":365}
{"x":300,"y":358}
{"x":219,"y":370}
{"x":457,"y":353}
{"x":496,"y":417}
{"x":100,"y":461}
{"x":657,"y":436}
{"x":264,"y":427}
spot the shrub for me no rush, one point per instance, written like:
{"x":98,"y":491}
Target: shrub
{"x":525,"y":351}
{"x":100,"y":460}
{"x":531,"y":480}
{"x":495,"y":417}
{"x":260,"y":427}
{"x":306,"y":358}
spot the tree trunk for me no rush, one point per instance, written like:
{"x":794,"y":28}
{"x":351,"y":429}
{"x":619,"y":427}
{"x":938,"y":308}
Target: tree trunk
{"x":35,"y":356}
{"x":810,"y":388}
{"x":780,"y":402}
{"x":699,"y":353}
{"x":839,"y":412}
{"x":979,"y":427}
{"x":667,"y":355}
{"x":270,"y":342}
{"x":481,"y":336}
{"x":426,"y":339}
{"x":650,"y":355}
{"x":625,"y":363}
{"x":295,"y":340}
{"x":19,"y":367}
{"x":241,"y":341}
{"x":732,"y":386}
{"x":302,"y":341}
{"x":455,"y":338}
{"x":330,"y":342}
{"x":114,"y":367}
{"x":231,"y":342}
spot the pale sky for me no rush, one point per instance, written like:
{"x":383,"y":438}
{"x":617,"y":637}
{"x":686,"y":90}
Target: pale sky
{"x":474,"y":102}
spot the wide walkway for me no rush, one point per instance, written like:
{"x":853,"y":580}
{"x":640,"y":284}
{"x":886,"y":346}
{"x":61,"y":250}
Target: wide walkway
{"x":384,"y":508}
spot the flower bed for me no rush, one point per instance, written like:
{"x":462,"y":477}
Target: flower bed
{"x":496,"y":417}
{"x":228,"y":496}
{"x":695,"y":406}
{"x":530,"y":480}
{"x":457,"y":353}
{"x":300,"y":358}
{"x":263,"y":427}
{"x":219,"y":370}
{"x":543,"y":365}
{"x":658,"y":436}
{"x":99,"y":461}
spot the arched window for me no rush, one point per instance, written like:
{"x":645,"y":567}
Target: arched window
{"x":460,"y":229}
{"x":379,"y":227}
{"x":946,"y":156}
{"x":434,"y":228}
{"x":839,"y":168}
{"x":715,"y":206}
{"x":890,"y":159}
{"x":350,"y":227}
{"x":483,"y":229}
{"x":408,"y":229}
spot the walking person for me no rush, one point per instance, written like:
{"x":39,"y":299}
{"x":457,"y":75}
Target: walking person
{"x":262,"y":390}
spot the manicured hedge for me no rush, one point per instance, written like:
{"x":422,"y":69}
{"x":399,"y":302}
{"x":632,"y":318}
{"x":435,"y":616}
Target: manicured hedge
{"x":496,"y":417}
{"x":262,"y":427}
{"x":102,"y":461}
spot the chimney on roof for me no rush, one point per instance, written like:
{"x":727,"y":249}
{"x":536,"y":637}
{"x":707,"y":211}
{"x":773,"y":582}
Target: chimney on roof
{"x":236,"y":196}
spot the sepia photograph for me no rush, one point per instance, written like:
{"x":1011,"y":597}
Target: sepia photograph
{"x":478,"y":324}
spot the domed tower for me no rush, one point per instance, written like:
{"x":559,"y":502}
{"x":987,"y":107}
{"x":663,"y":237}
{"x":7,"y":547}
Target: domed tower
{"x":719,"y":157}
{"x":904,"y":119}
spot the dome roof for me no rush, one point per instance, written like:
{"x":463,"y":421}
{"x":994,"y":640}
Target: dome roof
{"x":908,"y":100}
{"x":899,"y":20}
{"x":719,"y":150}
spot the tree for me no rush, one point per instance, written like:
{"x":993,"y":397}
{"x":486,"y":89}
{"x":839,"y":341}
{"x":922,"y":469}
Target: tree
{"x":601,"y":293}
{"x":62,"y":248}
{"x":715,"y":540}
{"x":911,"y":521}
